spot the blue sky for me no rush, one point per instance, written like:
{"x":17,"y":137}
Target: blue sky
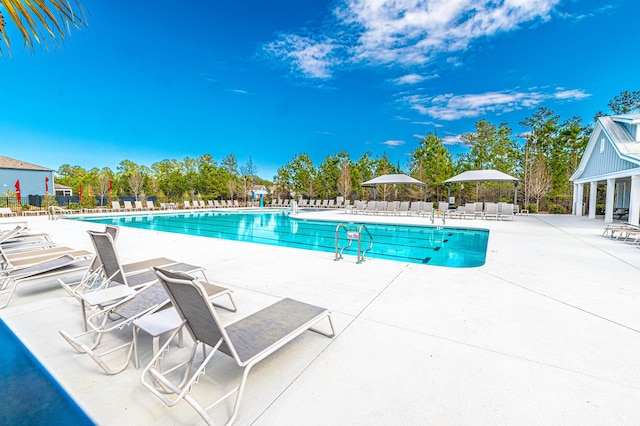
{"x":147,"y":81}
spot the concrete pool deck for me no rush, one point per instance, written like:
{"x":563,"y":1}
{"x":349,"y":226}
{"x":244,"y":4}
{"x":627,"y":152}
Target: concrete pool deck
{"x":546,"y":332}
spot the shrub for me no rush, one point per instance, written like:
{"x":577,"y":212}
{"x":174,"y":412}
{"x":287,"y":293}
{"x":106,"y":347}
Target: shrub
{"x":532,"y":208}
{"x":557,"y":209}
{"x":73,"y":206}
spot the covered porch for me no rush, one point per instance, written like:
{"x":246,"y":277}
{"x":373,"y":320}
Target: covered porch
{"x":620,"y":196}
{"x":609,"y":171}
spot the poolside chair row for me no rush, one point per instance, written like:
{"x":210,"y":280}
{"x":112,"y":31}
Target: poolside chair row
{"x":324,"y":204}
{"x":215,"y":204}
{"x":280,"y":203}
{"x":415,"y":208}
{"x":479,"y":210}
{"x":129,"y":207}
{"x":180,"y":301}
{"x":27,"y":257}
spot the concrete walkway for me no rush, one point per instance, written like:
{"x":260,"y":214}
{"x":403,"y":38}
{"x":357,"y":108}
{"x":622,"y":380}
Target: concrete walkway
{"x":546,"y":332}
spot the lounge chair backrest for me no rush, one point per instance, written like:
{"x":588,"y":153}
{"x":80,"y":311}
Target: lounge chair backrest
{"x":442,"y":206}
{"x":12,"y":233}
{"x":127,"y":205}
{"x":115,"y":205}
{"x":491,"y":209}
{"x":114,"y":231}
{"x":139,"y":205}
{"x":190,"y":300}
{"x":150,"y":205}
{"x":106,"y":251}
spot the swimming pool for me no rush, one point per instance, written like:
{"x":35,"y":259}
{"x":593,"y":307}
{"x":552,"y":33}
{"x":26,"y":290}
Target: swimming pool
{"x":432,"y":245}
{"x":30,"y":395}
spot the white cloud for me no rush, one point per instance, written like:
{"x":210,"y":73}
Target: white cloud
{"x":412,"y":78}
{"x":405,"y":32}
{"x":392,"y":143}
{"x":240,"y":91}
{"x":312,"y":58}
{"x":452,"y":107}
{"x":451,"y":140}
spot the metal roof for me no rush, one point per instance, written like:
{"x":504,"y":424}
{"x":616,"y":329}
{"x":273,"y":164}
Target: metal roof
{"x":619,"y":153}
{"x":10,"y":163}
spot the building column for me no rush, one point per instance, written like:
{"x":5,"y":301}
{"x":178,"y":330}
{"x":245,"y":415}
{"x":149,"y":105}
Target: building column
{"x":608,"y":210}
{"x":574,"y":210}
{"x":634,"y":200}
{"x":579,"y":197}
{"x":593,"y":194}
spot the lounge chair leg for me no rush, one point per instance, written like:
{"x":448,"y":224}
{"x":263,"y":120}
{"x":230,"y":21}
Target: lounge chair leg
{"x":333,"y":331}
{"x":82,"y":348}
{"x":12,"y":284}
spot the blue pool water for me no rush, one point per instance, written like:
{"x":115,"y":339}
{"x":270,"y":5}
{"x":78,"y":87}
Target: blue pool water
{"x":30,"y":396}
{"x":432,"y":245}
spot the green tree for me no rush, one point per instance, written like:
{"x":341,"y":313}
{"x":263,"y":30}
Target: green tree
{"x":248,"y":176}
{"x":344,"y":180}
{"x":329,"y":175}
{"x":232,"y":176}
{"x":301,"y":175}
{"x":431,"y":163}
{"x":170,"y":178}
{"x":361,"y":171}
{"x":625,"y":103}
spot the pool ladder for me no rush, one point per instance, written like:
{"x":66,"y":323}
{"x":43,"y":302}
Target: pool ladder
{"x":353,"y":235}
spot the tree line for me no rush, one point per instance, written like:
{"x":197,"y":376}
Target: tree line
{"x":543,"y":158}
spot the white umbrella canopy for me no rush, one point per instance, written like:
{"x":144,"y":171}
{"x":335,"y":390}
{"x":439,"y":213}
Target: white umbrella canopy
{"x":392,"y":179}
{"x":482,"y":176}
{"x":486,"y":176}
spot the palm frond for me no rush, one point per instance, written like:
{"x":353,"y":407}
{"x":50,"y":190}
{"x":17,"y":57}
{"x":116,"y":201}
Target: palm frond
{"x":41,"y":21}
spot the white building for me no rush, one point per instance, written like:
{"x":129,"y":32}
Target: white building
{"x":612,"y":158}
{"x":33,"y":179}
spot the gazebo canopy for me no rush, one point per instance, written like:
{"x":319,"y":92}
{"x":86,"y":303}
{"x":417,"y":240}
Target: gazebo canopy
{"x":482,"y":176}
{"x":393,"y":179}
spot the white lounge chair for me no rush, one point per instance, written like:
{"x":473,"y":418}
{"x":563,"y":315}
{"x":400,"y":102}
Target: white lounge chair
{"x":6,"y":211}
{"x":144,"y":303}
{"x":246,"y":341}
{"x":50,"y":268}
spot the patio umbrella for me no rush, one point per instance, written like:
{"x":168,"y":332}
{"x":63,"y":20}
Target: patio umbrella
{"x":392,"y":179}
{"x":485,"y":176}
{"x":17,"y":185}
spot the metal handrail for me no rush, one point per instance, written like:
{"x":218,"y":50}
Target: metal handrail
{"x":361,"y":256}
{"x":351,"y":236}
